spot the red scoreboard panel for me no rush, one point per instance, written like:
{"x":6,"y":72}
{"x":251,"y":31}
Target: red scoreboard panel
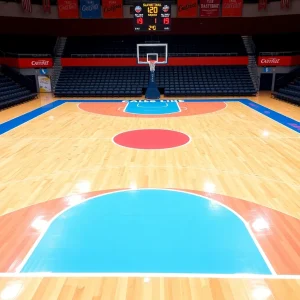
{"x":152,"y":16}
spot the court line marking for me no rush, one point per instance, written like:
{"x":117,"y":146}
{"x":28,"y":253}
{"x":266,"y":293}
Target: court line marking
{"x":150,"y":275}
{"x":154,"y":106}
{"x":207,"y":113}
{"x":126,"y":112}
{"x":259,"y":248}
{"x":141,"y":115}
{"x":178,"y":105}
{"x":190,"y":139}
{"x":89,"y":112}
{"x":48,"y":107}
{"x":278,"y":100}
{"x":242,"y":100}
{"x":276,"y":116}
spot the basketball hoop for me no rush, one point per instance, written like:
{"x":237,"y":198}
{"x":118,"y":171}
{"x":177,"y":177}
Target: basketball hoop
{"x":152,"y":65}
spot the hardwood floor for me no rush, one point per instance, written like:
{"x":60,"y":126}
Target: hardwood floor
{"x":124,"y":288}
{"x":67,"y":151}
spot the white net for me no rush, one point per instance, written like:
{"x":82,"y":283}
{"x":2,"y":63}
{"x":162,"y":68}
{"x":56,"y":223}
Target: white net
{"x":152,"y":65}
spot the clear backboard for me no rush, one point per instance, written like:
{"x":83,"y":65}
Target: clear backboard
{"x":152,"y":52}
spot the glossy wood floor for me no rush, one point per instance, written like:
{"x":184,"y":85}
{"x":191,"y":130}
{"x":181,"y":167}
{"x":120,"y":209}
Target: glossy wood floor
{"x":149,"y":289}
{"x":68,"y":151}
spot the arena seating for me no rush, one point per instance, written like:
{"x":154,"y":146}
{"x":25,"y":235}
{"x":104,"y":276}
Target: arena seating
{"x":290,"y":93}
{"x":12,"y":93}
{"x":178,"y":45}
{"x":206,"y":80}
{"x":174,"y":81}
{"x":106,"y":81}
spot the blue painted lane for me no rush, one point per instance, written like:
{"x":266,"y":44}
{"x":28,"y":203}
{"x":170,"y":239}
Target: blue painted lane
{"x":283,"y":120}
{"x":13,"y":123}
{"x":157,"y":231}
{"x":152,"y":108}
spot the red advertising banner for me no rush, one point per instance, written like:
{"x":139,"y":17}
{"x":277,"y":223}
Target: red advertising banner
{"x":210,"y":8}
{"x":273,"y":61}
{"x":35,"y":63}
{"x":187,"y":8}
{"x":232,"y":8}
{"x":68,"y":9}
{"x":172,"y":61}
{"x":27,"y":63}
{"x":9,"y":61}
{"x":112,"y":9}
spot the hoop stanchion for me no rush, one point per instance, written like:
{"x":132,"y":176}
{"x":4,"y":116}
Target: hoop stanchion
{"x":152,"y":91}
{"x":152,"y":54}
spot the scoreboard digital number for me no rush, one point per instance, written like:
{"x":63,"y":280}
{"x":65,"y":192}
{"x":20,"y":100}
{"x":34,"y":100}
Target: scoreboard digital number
{"x":152,"y":17}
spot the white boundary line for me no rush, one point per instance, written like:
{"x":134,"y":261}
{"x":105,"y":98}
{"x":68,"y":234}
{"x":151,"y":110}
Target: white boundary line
{"x":112,"y":139}
{"x":90,"y":112}
{"x":124,"y":110}
{"x":150,"y":275}
{"x":141,"y":115}
{"x":20,"y":267}
{"x":154,"y":115}
{"x":138,"y":104}
{"x":211,"y":112}
{"x":268,"y":117}
{"x":272,"y":108}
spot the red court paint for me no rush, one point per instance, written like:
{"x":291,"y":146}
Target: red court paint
{"x":187,"y":109}
{"x":151,"y":139}
{"x":274,"y":243}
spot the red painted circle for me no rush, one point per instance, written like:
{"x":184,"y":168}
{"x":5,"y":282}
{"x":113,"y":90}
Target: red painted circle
{"x":151,"y":139}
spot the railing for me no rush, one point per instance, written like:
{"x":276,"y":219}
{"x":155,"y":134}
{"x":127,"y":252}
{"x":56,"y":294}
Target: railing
{"x":252,"y":66}
{"x":169,"y":54}
{"x":252,"y":45}
{"x":56,"y":45}
{"x":12,"y":54}
{"x":279,"y":53}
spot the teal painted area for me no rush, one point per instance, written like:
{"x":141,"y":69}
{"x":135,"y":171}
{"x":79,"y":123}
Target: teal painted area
{"x":151,"y":231}
{"x":152,"y":108}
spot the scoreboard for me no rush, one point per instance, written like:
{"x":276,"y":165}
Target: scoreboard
{"x":152,"y":16}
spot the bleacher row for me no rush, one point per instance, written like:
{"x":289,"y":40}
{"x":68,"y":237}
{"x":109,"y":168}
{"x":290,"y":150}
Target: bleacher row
{"x":290,"y":93}
{"x":12,"y":93}
{"x":131,"y":81}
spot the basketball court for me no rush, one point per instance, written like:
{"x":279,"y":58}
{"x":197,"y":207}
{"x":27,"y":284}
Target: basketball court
{"x":194,"y":197}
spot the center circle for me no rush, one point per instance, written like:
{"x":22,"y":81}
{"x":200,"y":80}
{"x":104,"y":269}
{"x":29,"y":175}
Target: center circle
{"x":151,"y":139}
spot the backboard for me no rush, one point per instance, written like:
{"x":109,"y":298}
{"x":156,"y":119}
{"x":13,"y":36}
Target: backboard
{"x":155,"y":52}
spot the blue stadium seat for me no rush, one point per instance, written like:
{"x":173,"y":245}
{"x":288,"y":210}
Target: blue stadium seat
{"x":130,"y":81}
{"x":11,"y":93}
